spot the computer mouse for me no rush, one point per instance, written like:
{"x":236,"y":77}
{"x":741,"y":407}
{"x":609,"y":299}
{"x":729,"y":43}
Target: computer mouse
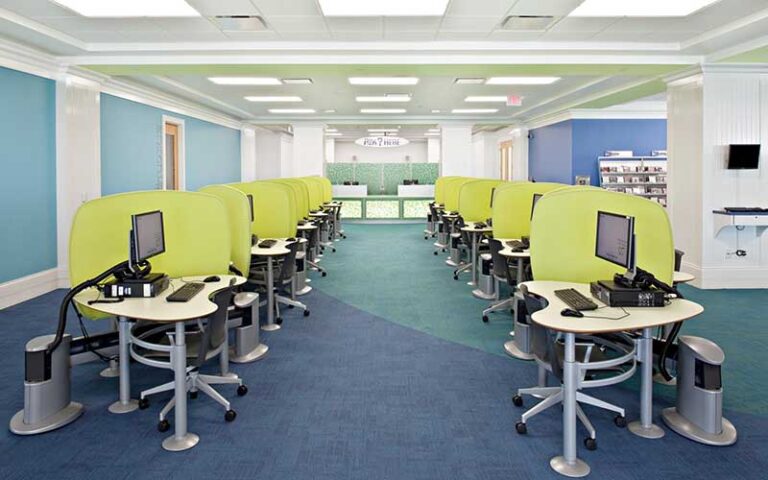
{"x":212,"y":278}
{"x":569,"y":312}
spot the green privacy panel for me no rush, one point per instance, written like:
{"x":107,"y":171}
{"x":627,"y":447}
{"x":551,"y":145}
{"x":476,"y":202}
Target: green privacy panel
{"x":376,"y":175}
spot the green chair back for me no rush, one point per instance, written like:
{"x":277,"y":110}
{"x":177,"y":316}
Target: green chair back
{"x":440,"y":189}
{"x":327,"y":189}
{"x":300,"y":195}
{"x":239,"y":214}
{"x":475,"y":199}
{"x":274,"y":208}
{"x":315,"y":189}
{"x":563,"y":235}
{"x":196,"y":227}
{"x":451,"y":192}
{"x":511,"y":212}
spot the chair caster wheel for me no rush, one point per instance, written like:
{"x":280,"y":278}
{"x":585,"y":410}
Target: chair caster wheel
{"x":521,"y":428}
{"x":230,"y":415}
{"x":620,"y":421}
{"x":443,"y":250}
{"x":334,"y":250}
{"x":143,"y":403}
{"x":455,"y":277}
{"x":163,"y":426}
{"x":590,"y":443}
{"x":324,"y":274}
{"x":242,"y":390}
{"x":426,"y":238}
{"x":517,"y":400}
{"x":306,"y":313}
{"x":485,"y":318}
{"x":435,"y":252}
{"x":279,"y":321}
{"x":192,"y":395}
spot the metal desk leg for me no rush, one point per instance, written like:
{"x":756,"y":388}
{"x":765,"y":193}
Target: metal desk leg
{"x":569,"y":464}
{"x":125,"y":404}
{"x":113,"y":370}
{"x":181,"y":439}
{"x":474,"y":260}
{"x":645,"y":427}
{"x":271,"y":326}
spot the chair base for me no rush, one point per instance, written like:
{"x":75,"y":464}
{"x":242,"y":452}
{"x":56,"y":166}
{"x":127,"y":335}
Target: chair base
{"x":270,"y":327}
{"x":514,"y":351}
{"x":112,"y":371}
{"x":479,"y":293}
{"x":256,"y":354}
{"x":63,"y":417}
{"x":578,"y":468}
{"x":682,"y":426}
{"x":173,"y":444}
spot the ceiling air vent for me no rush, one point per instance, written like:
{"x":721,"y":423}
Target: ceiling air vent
{"x":240,"y":23}
{"x":527,"y":23}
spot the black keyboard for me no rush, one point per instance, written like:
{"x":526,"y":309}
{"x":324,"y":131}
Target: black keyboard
{"x":515,"y":244}
{"x":480,"y":225}
{"x":269,"y":243}
{"x":743,"y":209}
{"x":186,"y":292}
{"x":575,"y":300}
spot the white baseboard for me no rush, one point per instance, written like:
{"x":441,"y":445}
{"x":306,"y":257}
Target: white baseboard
{"x":26,"y":288}
{"x":730,"y":277}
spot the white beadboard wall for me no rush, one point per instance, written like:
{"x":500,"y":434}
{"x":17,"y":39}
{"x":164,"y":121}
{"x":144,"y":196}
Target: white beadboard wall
{"x":344,"y":151}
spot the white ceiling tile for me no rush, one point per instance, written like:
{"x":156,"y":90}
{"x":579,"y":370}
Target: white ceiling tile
{"x":566,"y":36}
{"x":347,"y":24}
{"x":73,"y":25}
{"x":367,"y":36}
{"x":296,"y":23}
{"x":288,"y":7}
{"x":36,"y":8}
{"x":140,"y":37}
{"x":507,"y":36}
{"x":479,"y":7}
{"x":305,"y":36}
{"x":409,"y":36}
{"x":665,"y":36}
{"x":223,"y":7}
{"x":645,"y":25}
{"x":582,"y":24}
{"x":193,"y":36}
{"x":411,"y":24}
{"x":545,"y":7}
{"x":461,"y":36}
{"x":255,"y":36}
{"x":186,"y":25}
{"x":469,"y":24}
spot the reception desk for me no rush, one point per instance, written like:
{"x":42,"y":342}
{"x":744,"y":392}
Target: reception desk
{"x":350,"y":191}
{"x":384,"y":207}
{"x":416,"y":191}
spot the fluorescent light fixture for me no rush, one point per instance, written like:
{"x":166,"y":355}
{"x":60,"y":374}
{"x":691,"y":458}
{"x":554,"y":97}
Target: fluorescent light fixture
{"x":383,"y":130}
{"x":385,"y":98}
{"x":432,"y":134}
{"x":383,"y":80}
{"x":639,"y":8}
{"x":330,"y":110}
{"x":245,"y":81}
{"x":486,"y":99}
{"x":474,"y":110}
{"x":331,"y":130}
{"x":469,"y":81}
{"x":333,"y":134}
{"x":130,"y":8}
{"x":434,"y":130}
{"x":435,"y":111}
{"x":297,"y":81}
{"x":275,"y":99}
{"x":383,"y":110}
{"x":387,"y":8}
{"x":291,"y":110}
{"x":521,"y":80}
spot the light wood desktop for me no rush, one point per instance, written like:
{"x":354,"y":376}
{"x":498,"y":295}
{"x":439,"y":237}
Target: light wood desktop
{"x":476,"y":233}
{"x":520,"y":258}
{"x":643,"y":319}
{"x":279,"y":249}
{"x":157,"y":309}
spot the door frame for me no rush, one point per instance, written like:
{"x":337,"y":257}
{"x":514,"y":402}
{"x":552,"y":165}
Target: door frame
{"x":182,"y":161}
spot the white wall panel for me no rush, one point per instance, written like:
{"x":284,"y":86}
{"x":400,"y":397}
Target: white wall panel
{"x":416,"y":150}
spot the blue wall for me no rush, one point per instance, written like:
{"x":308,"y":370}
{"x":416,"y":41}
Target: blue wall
{"x":591,"y":138}
{"x":27,"y":174}
{"x":131,"y":148}
{"x":559,"y":152}
{"x":549,"y":153}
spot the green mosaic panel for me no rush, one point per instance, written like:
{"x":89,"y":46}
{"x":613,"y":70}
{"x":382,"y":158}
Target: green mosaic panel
{"x":382,"y":209}
{"x":376,"y":175}
{"x":415,"y":208}
{"x":352,"y":209}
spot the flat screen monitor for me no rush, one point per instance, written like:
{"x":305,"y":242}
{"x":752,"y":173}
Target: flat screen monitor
{"x":536,"y":197}
{"x":743,"y":157}
{"x":614,"y":241}
{"x":250,"y":204}
{"x":148,"y":236}
{"x":493,"y":190}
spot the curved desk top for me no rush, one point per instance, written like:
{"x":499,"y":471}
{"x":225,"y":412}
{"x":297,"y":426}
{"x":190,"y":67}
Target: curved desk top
{"x":682,"y":277}
{"x":639,"y":317}
{"x":306,"y":226}
{"x":157,"y":309}
{"x":473,"y":229}
{"x":507,"y":250}
{"x":277,"y":250}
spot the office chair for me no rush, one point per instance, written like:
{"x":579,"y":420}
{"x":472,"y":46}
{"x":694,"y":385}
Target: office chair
{"x":284,"y":282}
{"x":502,"y":272}
{"x":203,"y":343}
{"x":464,"y":246}
{"x":432,"y":217}
{"x":610,"y":358}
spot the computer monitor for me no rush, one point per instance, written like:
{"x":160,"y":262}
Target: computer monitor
{"x":250,"y":203}
{"x":493,"y":190}
{"x":536,"y":197}
{"x":147,"y":236}
{"x":744,"y":157}
{"x":615,"y":239}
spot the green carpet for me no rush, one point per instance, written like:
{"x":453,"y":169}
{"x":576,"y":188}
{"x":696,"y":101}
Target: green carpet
{"x":389,"y":270}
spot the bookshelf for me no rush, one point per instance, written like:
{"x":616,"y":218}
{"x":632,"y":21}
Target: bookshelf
{"x":642,"y":176}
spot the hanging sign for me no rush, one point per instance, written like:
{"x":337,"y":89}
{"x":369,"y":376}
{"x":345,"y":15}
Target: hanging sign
{"x":382,"y":142}
{"x":514,"y":100}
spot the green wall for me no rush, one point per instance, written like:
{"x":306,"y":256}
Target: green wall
{"x":371,"y":174}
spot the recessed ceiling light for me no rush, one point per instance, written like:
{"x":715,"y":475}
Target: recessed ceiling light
{"x":469,"y":81}
{"x":132,"y":8}
{"x":330,"y":110}
{"x":245,"y":81}
{"x":331,"y":130}
{"x":275,"y":99}
{"x":635,"y":8}
{"x":383,"y":130}
{"x":435,"y":111}
{"x":291,"y":110}
{"x":297,"y":81}
{"x":474,"y":110}
{"x":388,"y":8}
{"x":486,"y":98}
{"x":521,"y":80}
{"x":383,"y":80}
{"x":385,"y":98}
{"x":383,"y":110}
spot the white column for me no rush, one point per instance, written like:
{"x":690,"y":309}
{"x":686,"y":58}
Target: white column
{"x":330,"y":150}
{"x":433,"y":150}
{"x":268,"y":155}
{"x":456,"y":150}
{"x":286,"y":157}
{"x":78,"y":155}
{"x":308,"y":149}
{"x":248,"y":171}
{"x":519,"y":154}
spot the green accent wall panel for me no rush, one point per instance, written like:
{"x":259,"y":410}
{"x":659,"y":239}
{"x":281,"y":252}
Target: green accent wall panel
{"x":382,"y":209}
{"x":352,"y":209}
{"x":415,"y":208}
{"x":376,"y":175}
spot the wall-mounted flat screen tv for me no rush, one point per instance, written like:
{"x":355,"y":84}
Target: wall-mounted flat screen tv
{"x":743,"y":157}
